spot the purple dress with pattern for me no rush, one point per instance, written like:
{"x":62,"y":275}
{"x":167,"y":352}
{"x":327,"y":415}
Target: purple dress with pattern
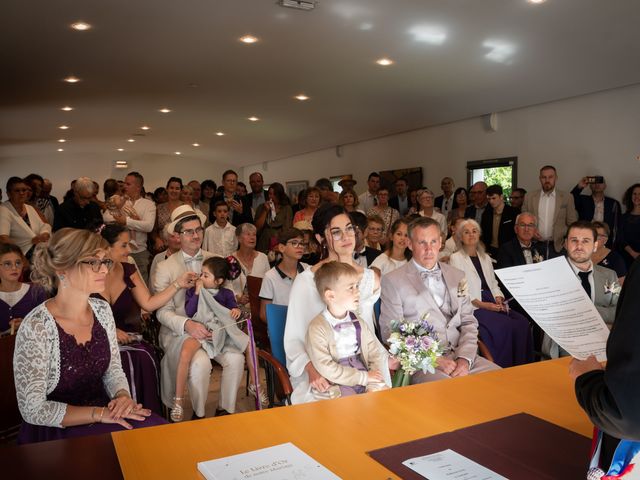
{"x":507,"y":336}
{"x":82,"y":368}
{"x":139,"y":360}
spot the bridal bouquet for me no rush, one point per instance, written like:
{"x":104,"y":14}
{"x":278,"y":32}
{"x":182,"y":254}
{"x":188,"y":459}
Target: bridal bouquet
{"x":416,"y":346}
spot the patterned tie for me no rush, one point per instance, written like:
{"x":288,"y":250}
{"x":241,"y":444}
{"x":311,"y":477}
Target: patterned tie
{"x":584,"y":278}
{"x":197,"y":258}
{"x":436,"y":274}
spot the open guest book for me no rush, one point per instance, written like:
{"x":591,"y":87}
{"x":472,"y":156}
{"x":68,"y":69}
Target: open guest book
{"x":280,"y":462}
{"x":519,"y":447}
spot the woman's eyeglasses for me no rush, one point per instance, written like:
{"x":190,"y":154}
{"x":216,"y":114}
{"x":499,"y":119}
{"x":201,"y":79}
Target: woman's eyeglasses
{"x":338,"y":233}
{"x":96,"y":264}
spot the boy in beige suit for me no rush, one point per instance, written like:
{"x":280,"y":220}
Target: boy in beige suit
{"x":340,"y":345}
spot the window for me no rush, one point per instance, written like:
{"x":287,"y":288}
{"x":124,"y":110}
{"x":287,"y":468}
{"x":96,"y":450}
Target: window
{"x":494,"y":171}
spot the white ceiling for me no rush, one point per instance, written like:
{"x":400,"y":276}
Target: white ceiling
{"x":454,"y":59}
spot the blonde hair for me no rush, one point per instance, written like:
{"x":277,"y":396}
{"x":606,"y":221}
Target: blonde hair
{"x":65,"y":249}
{"x":328,"y":275}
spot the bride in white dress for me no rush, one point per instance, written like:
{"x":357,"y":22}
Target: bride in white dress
{"x":336,"y":235}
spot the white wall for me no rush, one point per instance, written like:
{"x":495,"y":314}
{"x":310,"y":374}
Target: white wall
{"x":62,"y":168}
{"x":597,"y":134}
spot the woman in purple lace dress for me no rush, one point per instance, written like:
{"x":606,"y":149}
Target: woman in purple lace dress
{"x":68,"y":377}
{"x":17,"y":299}
{"x":127,"y":294}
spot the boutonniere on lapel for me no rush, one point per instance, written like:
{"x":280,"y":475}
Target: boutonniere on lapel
{"x":612,"y":287}
{"x":537,"y":258}
{"x":463,"y":289}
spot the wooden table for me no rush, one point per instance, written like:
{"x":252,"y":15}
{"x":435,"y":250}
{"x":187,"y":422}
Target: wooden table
{"x":338,"y":433}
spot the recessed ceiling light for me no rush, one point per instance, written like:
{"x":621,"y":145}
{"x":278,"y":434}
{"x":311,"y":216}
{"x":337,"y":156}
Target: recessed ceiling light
{"x":120,"y":149}
{"x":64,"y":127}
{"x":72,"y":79}
{"x":253,"y":119}
{"x":385,"y":62}
{"x":61,"y":140}
{"x":145,"y":127}
{"x":66,"y":108}
{"x":130,"y":140}
{"x":220,"y":134}
{"x":61,"y":149}
{"x":536,"y":1}
{"x":178,"y":153}
{"x":195,"y":144}
{"x":249,"y":39}
{"x":81,"y":26}
{"x":165,"y":110}
{"x":302,"y":97}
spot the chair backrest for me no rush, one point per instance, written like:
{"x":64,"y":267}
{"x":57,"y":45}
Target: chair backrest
{"x":274,"y":370}
{"x":276,"y":319}
{"x":254,"y":284}
{"x":10,"y":418}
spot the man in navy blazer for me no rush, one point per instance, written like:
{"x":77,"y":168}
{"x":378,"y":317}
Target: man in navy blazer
{"x":608,"y":210}
{"x":400,"y":201}
{"x":479,"y":204}
{"x":239,"y":213}
{"x":444,"y":202}
{"x":491,"y":237}
{"x":521,"y":249}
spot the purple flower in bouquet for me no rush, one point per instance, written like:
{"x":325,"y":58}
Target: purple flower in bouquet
{"x":416,"y":346}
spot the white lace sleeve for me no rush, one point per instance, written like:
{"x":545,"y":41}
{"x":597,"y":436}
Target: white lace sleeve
{"x":114,"y":378}
{"x":36,"y":369}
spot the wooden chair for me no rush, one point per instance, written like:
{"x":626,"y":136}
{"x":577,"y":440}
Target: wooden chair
{"x":259,"y":328}
{"x":274,"y":370}
{"x":10,"y":418}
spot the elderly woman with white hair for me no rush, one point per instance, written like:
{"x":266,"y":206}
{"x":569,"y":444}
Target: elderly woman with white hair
{"x":506,"y":333}
{"x":78,"y":210}
{"x":252,"y":263}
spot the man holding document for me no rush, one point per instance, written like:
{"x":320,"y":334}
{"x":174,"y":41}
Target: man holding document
{"x":599,"y":283}
{"x":611,"y":396}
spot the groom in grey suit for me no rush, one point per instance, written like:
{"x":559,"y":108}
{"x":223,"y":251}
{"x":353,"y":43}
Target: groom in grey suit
{"x":425,"y":286}
{"x":176,"y":325}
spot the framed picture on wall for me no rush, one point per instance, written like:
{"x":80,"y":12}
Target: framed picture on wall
{"x":412,"y":175}
{"x":294,"y":188}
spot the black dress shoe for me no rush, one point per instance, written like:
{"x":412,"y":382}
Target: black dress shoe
{"x":220,"y":412}
{"x":196,"y":417}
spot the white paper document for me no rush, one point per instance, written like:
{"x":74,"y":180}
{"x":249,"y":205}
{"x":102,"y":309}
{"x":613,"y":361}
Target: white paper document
{"x":281,"y":462}
{"x":552,"y":295}
{"x":450,"y":465}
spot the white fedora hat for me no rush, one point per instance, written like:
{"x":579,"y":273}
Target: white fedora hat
{"x":181,"y":213}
